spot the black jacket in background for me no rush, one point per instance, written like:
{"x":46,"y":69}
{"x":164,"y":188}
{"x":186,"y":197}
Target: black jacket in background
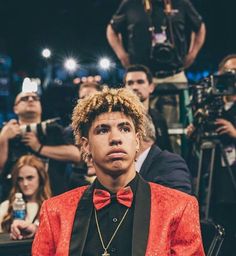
{"x":162,"y":136}
{"x":167,"y":169}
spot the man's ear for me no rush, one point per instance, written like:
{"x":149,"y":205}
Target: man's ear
{"x":85,"y":145}
{"x":151,"y":87}
{"x":15,"y":109}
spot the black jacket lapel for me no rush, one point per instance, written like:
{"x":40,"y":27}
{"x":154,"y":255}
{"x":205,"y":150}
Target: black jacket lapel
{"x":141,"y":218}
{"x":81,"y":223}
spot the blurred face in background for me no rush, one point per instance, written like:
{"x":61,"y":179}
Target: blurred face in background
{"x":138,"y":82}
{"x":27,"y":105}
{"x":86,"y":91}
{"x":28,"y":181}
{"x":230,"y":66}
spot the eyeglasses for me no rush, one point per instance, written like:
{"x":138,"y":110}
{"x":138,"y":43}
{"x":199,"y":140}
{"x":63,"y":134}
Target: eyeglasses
{"x":132,"y":82}
{"x":26,"y":98}
{"x":230,"y":70}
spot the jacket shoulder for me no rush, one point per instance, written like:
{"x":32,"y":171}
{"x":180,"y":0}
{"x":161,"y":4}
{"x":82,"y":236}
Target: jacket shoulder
{"x":171,"y":196}
{"x":69,"y":197}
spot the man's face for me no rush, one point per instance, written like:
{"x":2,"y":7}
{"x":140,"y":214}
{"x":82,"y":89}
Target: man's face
{"x":230,"y":65}
{"x":112,"y":142}
{"x":138,"y":82}
{"x":27,"y":104}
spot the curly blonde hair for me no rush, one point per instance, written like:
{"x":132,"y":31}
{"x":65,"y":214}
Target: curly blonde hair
{"x":109,"y":100}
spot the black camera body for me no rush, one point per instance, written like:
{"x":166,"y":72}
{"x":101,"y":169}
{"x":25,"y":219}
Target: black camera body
{"x":163,"y":52}
{"x":208,"y":102}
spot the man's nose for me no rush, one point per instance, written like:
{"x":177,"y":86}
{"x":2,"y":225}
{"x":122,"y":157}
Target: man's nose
{"x":30,"y":98}
{"x":135,"y":86}
{"x":115,"y":138}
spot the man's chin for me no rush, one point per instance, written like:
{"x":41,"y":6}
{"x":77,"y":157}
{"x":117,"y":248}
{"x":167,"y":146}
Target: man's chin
{"x":116,"y":169}
{"x":117,"y":164}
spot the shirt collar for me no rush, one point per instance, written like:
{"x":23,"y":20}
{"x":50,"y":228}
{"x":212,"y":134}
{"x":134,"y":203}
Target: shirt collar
{"x":141,"y":158}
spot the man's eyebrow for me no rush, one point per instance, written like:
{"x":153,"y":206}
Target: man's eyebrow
{"x":101,"y":126}
{"x":124,"y":124}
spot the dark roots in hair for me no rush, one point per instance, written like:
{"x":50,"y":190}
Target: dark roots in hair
{"x":109,"y":100}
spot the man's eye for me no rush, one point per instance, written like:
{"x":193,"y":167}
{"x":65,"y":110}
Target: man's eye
{"x":125,"y":129}
{"x":129,"y":83}
{"x":102,"y":130}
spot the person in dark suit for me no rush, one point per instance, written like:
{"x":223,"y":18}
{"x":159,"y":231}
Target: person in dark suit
{"x":139,"y":79}
{"x":162,"y":167}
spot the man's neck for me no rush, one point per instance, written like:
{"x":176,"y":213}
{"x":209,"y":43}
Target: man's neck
{"x":146,"y":104}
{"x":144,"y":145}
{"x":115,"y":183}
{"x":31,"y":120}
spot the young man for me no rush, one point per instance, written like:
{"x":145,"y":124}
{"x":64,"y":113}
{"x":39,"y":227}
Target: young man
{"x":120,"y":214}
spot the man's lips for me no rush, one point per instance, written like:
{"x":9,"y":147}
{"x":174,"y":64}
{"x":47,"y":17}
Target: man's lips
{"x":117,"y":153}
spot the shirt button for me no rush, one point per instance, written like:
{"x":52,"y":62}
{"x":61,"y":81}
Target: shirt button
{"x":113,"y":249}
{"x":114,"y":220}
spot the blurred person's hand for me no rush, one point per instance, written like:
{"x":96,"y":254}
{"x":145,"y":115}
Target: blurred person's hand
{"x":31,"y":140}
{"x":21,"y":229}
{"x":190,"y":129}
{"x":11,"y":129}
{"x":225,"y":127}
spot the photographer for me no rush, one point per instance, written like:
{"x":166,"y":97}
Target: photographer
{"x":223,"y":199}
{"x":21,"y":137}
{"x":132,"y":17}
{"x":224,"y":210}
{"x":155,"y":33}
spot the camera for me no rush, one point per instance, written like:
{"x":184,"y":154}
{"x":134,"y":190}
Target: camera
{"x":163,"y":52}
{"x":37,"y":128}
{"x":208,"y":102}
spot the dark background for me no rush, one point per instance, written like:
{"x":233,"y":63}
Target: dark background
{"x":78,"y":28}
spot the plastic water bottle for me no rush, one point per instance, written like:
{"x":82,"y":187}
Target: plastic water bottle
{"x":19,"y":207}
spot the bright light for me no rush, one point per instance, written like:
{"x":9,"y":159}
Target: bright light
{"x":29,"y":85}
{"x":70,"y":65}
{"x":105,"y":63}
{"x":46,"y":53}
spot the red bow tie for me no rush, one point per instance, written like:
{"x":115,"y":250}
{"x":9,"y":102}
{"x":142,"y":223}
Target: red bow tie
{"x":101,"y":198}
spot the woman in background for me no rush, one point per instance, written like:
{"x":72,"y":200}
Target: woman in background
{"x":29,"y":177}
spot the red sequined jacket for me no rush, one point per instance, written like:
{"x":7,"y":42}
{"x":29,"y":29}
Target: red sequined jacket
{"x":166,"y":222}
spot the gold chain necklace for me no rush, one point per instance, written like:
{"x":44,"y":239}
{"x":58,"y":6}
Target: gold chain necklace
{"x":105,"y":248}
